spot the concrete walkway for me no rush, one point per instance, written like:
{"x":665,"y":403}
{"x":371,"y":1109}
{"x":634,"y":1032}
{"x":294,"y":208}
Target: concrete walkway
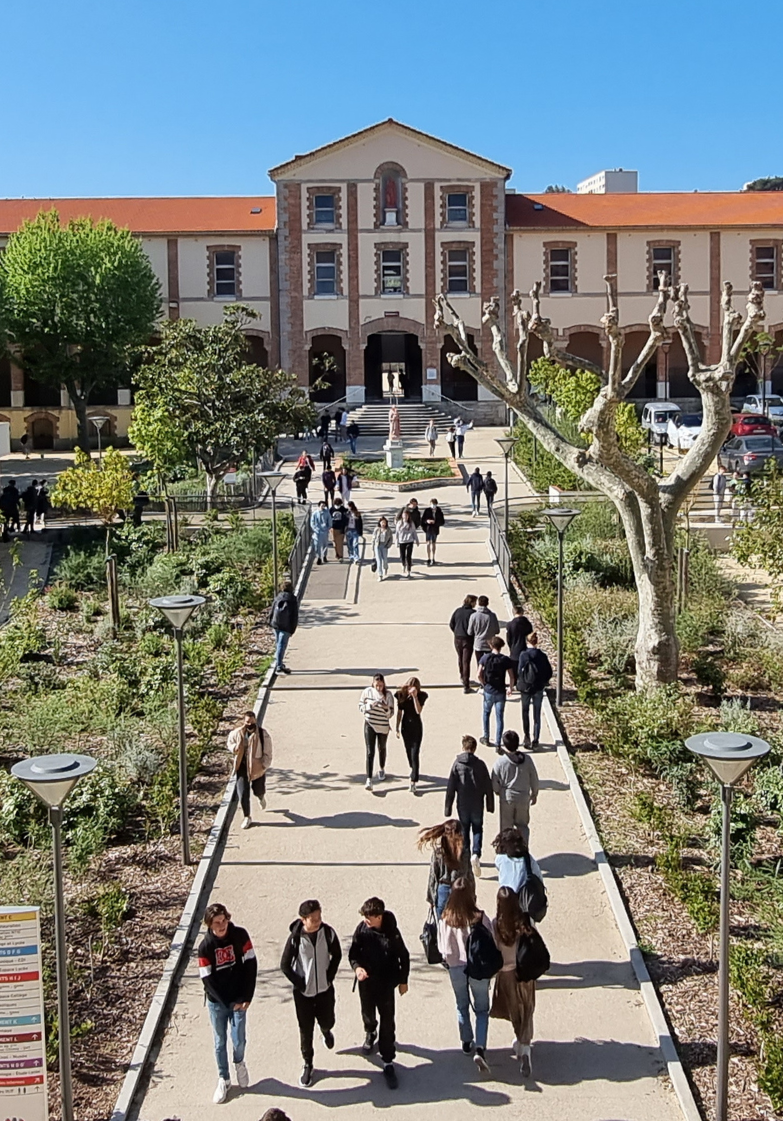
{"x":595,"y":1055}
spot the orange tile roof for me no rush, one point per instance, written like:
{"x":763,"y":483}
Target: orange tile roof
{"x":153,"y":216}
{"x":646,"y":210}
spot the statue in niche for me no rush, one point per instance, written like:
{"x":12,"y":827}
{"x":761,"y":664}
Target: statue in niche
{"x":395,"y":432}
{"x":390,"y":194}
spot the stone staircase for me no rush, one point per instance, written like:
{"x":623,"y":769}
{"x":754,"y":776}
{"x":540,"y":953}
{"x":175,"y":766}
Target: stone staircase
{"x":373,"y":420}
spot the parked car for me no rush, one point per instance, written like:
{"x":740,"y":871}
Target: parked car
{"x":752,"y":424}
{"x":656,"y":416}
{"x":750,"y":454}
{"x":682,"y":430}
{"x":771,"y":406}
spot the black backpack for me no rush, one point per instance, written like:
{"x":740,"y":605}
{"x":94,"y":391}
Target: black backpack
{"x":532,"y":894}
{"x":494,"y":676}
{"x":532,"y":957}
{"x":484,"y":958}
{"x":528,"y":679}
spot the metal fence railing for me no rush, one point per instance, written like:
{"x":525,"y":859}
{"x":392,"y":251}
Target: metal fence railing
{"x":500,"y":547}
{"x":297,"y":558}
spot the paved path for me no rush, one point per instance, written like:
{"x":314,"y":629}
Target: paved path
{"x":595,"y":1056}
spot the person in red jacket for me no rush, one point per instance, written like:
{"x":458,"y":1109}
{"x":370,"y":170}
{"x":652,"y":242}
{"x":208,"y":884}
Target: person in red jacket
{"x":227,"y":967}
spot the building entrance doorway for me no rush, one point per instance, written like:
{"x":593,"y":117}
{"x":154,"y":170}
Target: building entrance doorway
{"x":392,"y":355}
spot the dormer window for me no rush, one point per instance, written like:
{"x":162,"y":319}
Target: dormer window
{"x":323,"y":210}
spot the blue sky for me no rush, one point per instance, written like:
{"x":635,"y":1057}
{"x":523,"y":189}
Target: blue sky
{"x":146,"y":97}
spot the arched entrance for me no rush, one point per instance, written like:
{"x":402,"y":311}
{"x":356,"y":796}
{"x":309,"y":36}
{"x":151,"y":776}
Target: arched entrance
{"x":322,"y":349}
{"x":454,"y":383}
{"x":646,"y":386}
{"x":42,"y":432}
{"x":392,"y":352}
{"x":257,"y":352}
{"x":587,"y":345}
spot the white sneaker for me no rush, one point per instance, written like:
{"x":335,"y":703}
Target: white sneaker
{"x":514,"y":1051}
{"x":525,"y":1061}
{"x":476,"y":866}
{"x":381,"y":775}
{"x":247,"y":823}
{"x":243,"y":1078}
{"x":379,"y":578}
{"x":221,"y":1090}
{"x":262,"y":801}
{"x":413,"y":787}
{"x":368,"y":784}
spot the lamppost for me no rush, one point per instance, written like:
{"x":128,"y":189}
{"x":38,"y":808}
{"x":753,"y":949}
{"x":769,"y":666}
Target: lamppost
{"x":764,"y":349}
{"x":506,"y":443}
{"x":52,"y":778}
{"x":99,"y":422}
{"x":561,"y":519}
{"x":728,"y":756}
{"x":178,"y":610}
{"x":273,"y":479}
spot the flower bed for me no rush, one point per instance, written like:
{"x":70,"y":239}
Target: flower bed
{"x":414,"y":474}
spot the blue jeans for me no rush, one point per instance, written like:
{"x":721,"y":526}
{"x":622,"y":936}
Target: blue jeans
{"x":444,"y":891}
{"x":536,"y":699}
{"x":281,"y":639}
{"x":496,"y":700}
{"x":474,"y":822}
{"x":222,"y":1019}
{"x":469,"y":990}
{"x":352,"y":442}
{"x":382,"y":559}
{"x":352,"y":542}
{"x":475,"y":499}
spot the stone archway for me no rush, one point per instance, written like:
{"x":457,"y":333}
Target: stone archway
{"x":329,"y":343}
{"x":43,"y":430}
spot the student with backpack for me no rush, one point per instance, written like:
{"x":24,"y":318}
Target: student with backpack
{"x":518,"y":870}
{"x":381,"y":963}
{"x":467,"y":945}
{"x":514,"y":999}
{"x":470,"y":783}
{"x":310,"y":962}
{"x":534,"y":672}
{"x":493,"y":670}
{"x":515,"y":782}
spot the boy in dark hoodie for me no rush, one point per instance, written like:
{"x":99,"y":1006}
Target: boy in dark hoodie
{"x":469,"y":781}
{"x":227,"y":966}
{"x":381,"y":962}
{"x":310,"y":961}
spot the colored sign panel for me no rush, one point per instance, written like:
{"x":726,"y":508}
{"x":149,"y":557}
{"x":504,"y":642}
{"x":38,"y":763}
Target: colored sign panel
{"x":23,"y":1095}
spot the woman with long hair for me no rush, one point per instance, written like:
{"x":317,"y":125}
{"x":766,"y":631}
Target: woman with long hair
{"x":406,"y":537}
{"x":410,"y":701}
{"x":377,"y":707}
{"x":513,"y":1000}
{"x":460,"y":914}
{"x":450,"y":861}
{"x":354,"y":531}
{"x":510,"y":861}
{"x":382,"y":538}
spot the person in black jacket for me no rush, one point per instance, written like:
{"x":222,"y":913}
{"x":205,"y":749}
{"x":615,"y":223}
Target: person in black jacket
{"x":381,"y":962}
{"x":302,"y":477}
{"x":29,"y":499}
{"x":463,"y":642}
{"x":284,"y":619}
{"x":517,"y":630}
{"x":475,"y":487}
{"x":490,"y":490}
{"x":328,"y":482}
{"x":340,"y":516}
{"x":431,"y":520}
{"x":310,"y":961}
{"x":326,"y":454}
{"x":534,"y":672}
{"x":227,"y":967}
{"x":469,"y":781}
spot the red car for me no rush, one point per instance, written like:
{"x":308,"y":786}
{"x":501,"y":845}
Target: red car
{"x":751,"y":424}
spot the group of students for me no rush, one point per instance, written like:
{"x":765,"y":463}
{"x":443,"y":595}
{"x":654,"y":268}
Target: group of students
{"x":346,"y":526}
{"x":35,"y":500}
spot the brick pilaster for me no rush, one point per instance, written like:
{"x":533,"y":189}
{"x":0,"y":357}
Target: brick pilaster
{"x":17,"y":385}
{"x":492,"y":213}
{"x":172,"y":273}
{"x":611,"y":255}
{"x":355,"y":356}
{"x":274,"y":303}
{"x":715,"y":297}
{"x":293,"y":353}
{"x":431,"y":341}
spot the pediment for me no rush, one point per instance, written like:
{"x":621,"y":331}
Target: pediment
{"x":358,"y":156}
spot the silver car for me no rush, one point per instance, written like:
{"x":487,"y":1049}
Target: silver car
{"x":750,"y":454}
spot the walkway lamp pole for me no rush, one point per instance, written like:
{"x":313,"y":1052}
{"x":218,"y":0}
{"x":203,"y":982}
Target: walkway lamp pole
{"x":273,"y":479}
{"x":506,"y":443}
{"x":52,"y":778}
{"x":764,"y":348}
{"x":728,"y":756}
{"x":98,"y":422}
{"x":561,"y":519}
{"x":178,"y":610}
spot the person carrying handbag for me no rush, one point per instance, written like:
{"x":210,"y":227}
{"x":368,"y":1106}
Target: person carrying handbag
{"x":449,"y":862}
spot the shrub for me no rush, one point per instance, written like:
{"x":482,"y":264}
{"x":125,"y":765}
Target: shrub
{"x":611,"y":642}
{"x":771,"y":1070}
{"x":62,"y":598}
{"x":744,"y":823}
{"x":708,"y":670}
{"x":768,"y":791}
{"x":736,"y":716}
{"x":647,"y":725}
{"x":83,"y":568}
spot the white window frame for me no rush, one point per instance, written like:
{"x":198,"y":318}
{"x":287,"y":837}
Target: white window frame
{"x":392,"y":270}
{"x":321,"y":270}
{"x":221,"y":271}
{"x":561,"y":271}
{"x":657,"y":266}
{"x":769,"y":262}
{"x":458,"y":270}
{"x":451,"y":218}
{"x":332,"y":210}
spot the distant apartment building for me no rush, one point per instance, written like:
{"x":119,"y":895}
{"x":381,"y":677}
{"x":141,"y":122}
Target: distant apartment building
{"x":611,"y":182}
{"x":347,"y":256}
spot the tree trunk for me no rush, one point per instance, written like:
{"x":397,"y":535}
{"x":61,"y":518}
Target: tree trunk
{"x":82,"y":424}
{"x":211,"y":484}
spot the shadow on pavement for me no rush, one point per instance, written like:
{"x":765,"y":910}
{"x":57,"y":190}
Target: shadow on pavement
{"x":562,"y":864}
{"x":355,"y":819}
{"x":588,"y":974}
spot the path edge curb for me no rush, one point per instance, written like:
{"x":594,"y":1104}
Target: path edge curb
{"x":188,"y":924}
{"x":678,"y":1077}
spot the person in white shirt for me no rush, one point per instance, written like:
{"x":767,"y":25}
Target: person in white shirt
{"x":406,"y":537}
{"x":377,"y":706}
{"x":461,"y":428}
{"x":431,"y":436}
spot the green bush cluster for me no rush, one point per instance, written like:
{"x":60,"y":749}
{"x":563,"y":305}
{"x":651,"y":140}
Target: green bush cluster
{"x":410,"y":472}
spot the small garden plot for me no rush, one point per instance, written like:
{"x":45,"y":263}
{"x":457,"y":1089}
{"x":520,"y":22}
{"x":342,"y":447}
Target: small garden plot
{"x":411,"y":471}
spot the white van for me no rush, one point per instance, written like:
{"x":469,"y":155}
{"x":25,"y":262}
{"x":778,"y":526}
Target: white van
{"x":656,"y":416}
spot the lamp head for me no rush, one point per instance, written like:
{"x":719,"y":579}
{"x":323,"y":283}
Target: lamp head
{"x":273,"y":479}
{"x":727,"y":754}
{"x":99,"y":421}
{"x":178,"y":609}
{"x":560,"y":517}
{"x":52,"y":777}
{"x":505,"y":443}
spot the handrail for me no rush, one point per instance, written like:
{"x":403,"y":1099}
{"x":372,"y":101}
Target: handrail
{"x":457,"y":404}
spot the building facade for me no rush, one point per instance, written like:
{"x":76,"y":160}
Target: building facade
{"x":343,"y":263}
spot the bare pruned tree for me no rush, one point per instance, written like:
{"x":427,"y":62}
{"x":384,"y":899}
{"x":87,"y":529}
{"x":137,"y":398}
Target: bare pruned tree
{"x":647,"y":506}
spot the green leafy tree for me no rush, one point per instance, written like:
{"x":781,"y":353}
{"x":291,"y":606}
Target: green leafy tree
{"x":103,"y":490}
{"x":769,"y":183}
{"x":760,"y":542}
{"x":199,"y":400}
{"x":78,"y":301}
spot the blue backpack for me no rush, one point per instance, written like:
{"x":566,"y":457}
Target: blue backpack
{"x":484,"y":958}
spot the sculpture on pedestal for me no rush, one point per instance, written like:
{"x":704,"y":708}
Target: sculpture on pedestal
{"x":395,"y":433}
